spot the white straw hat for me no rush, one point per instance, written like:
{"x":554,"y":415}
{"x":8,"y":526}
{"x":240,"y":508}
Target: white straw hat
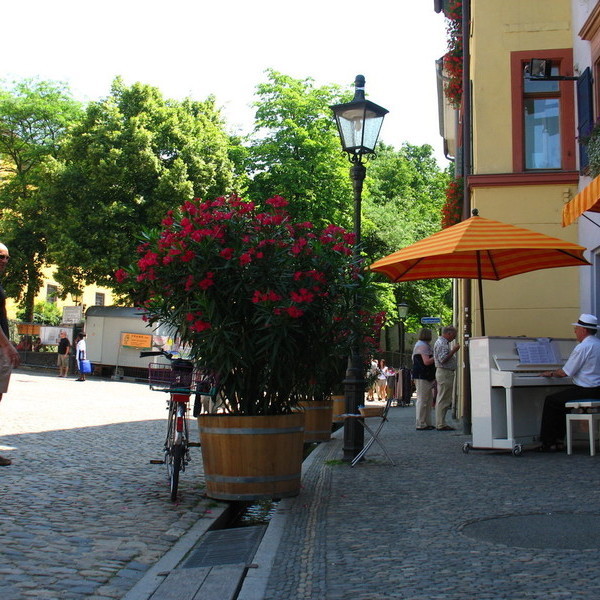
{"x":588,"y":321}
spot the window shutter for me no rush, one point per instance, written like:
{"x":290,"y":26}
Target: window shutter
{"x":585,"y":114}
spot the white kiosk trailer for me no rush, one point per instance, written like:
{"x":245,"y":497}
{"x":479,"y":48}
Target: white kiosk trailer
{"x":115,"y":335}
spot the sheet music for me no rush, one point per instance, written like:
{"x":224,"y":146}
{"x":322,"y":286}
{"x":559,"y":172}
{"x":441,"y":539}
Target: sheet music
{"x":542,"y":351}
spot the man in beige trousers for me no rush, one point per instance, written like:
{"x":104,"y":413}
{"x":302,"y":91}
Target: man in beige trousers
{"x":444,"y":356}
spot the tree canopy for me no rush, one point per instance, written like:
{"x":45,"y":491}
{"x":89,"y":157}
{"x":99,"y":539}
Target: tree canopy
{"x":34,"y":119}
{"x":79,"y":185}
{"x":295,"y":150}
{"x":129,"y":159}
{"x":403,"y":199}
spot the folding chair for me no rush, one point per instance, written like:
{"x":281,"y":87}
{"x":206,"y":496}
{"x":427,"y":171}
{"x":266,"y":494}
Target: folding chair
{"x":363,"y":420}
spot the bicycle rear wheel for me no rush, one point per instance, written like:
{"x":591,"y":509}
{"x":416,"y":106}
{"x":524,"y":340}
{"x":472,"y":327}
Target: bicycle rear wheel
{"x":176,"y":461}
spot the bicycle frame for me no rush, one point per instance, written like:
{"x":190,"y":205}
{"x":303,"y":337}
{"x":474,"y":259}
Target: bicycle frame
{"x":176,"y":379}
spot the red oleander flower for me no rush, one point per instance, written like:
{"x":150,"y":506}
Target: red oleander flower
{"x":263,"y":301}
{"x":121,"y":275}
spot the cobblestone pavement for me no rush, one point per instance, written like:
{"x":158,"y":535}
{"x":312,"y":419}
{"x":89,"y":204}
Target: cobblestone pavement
{"x":377,"y":531}
{"x":83,"y":513}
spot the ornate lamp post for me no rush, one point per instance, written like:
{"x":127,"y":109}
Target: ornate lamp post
{"x":359,"y":123}
{"x":402,"y":312}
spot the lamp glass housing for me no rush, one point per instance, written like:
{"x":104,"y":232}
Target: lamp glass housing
{"x":359,"y":124}
{"x":402,"y":310}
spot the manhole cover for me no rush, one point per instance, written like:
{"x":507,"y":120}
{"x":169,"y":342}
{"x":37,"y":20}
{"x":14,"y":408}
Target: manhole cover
{"x":562,"y":531}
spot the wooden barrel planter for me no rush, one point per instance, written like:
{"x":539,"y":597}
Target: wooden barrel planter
{"x":317,"y":420}
{"x":339,"y":408}
{"x":251,"y":458}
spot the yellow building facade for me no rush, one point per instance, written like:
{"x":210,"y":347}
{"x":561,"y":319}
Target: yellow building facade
{"x":518,"y":147}
{"x":92,"y":295}
{"x":523,"y":156}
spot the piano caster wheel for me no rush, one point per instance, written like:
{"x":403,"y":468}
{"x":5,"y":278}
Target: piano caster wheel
{"x":466,"y":447}
{"x":517,"y":450}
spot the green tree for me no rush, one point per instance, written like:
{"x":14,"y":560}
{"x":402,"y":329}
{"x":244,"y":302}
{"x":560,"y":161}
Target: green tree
{"x":133,"y":156}
{"x":295,"y":150}
{"x":404,"y":194}
{"x":34,"y":117}
{"x":45,"y":313}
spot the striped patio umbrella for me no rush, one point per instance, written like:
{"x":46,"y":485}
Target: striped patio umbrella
{"x":587,"y":200}
{"x":479,"y":248}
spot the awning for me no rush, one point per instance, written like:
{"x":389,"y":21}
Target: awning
{"x":588,"y":199}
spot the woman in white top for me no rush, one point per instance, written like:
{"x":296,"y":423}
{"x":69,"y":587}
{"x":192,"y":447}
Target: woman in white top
{"x":80,"y":354}
{"x":423,"y":373}
{"x":381,"y":382}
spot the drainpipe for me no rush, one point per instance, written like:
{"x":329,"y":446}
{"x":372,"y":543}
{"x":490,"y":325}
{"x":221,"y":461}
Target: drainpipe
{"x":466,"y":171}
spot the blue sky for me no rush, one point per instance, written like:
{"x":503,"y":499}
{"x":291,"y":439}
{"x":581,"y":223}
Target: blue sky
{"x":196,"y":48}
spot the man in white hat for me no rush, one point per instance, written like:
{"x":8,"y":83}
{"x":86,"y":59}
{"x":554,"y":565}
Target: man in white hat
{"x":9,"y":357}
{"x":583,"y":366}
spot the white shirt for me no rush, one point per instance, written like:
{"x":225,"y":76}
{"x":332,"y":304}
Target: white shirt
{"x":81,"y":350}
{"x":583,"y":365}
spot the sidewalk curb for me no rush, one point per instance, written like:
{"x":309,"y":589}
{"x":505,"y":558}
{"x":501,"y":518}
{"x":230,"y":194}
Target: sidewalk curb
{"x":255,"y":583}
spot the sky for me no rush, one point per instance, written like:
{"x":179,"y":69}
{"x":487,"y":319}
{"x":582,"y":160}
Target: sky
{"x":197,"y":48}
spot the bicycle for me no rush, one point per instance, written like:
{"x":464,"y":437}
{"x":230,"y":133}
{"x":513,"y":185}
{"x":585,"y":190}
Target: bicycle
{"x":176,"y":379}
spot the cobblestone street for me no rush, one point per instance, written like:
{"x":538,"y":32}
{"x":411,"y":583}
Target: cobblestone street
{"x":84,"y":514}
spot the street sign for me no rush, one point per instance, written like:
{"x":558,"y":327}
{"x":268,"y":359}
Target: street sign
{"x":430,"y":320}
{"x":72,"y":314}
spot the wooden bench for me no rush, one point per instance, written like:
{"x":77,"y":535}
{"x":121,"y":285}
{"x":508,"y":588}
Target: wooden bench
{"x":589,"y":412}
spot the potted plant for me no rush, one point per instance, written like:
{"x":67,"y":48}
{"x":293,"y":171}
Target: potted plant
{"x":262,"y":302}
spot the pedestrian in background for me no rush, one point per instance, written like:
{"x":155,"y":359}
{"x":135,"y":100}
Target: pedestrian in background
{"x":423,"y":374}
{"x":64,"y":346}
{"x":372,"y":379}
{"x":444,"y":356}
{"x":9,"y":357}
{"x":382,"y":375}
{"x":81,"y":354}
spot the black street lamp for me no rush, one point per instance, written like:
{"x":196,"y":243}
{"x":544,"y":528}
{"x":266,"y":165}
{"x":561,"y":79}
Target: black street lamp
{"x":359,"y":123}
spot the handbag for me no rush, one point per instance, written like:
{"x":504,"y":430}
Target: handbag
{"x":85,"y":366}
{"x":422,"y":371}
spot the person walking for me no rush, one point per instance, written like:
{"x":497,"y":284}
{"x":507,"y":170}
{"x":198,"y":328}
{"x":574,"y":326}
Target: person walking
{"x":423,"y":373}
{"x":64,"y":347}
{"x":9,"y":357}
{"x":80,"y":354}
{"x":445,"y":360}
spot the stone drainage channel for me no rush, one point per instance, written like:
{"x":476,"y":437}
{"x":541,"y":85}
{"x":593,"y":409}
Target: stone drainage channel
{"x":234,"y":537}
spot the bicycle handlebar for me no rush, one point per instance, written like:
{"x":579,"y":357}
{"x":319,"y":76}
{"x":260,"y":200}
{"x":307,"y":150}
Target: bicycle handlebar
{"x":156,"y":353}
{"x":177,"y":364}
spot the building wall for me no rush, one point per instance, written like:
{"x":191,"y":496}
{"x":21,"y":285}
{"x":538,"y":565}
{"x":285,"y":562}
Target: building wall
{"x":585,"y":53}
{"x":500,"y":28}
{"x":87,"y":299}
{"x":542,"y":303}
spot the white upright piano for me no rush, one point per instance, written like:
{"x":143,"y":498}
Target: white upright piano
{"x":507,"y":393}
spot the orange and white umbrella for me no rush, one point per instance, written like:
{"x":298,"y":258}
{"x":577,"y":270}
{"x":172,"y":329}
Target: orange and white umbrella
{"x":479,"y":248}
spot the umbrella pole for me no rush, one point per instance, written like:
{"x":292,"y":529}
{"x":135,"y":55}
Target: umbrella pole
{"x":480,"y":286}
{"x":481,"y":313}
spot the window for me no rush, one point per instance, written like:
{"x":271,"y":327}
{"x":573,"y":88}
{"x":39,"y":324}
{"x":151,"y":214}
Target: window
{"x":543,"y":114}
{"x":51,"y":293}
{"x":541,"y":103}
{"x":585,"y":115}
{"x":99,"y":299}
